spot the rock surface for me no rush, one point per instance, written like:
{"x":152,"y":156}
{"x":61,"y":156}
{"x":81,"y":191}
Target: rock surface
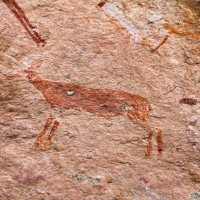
{"x":92,"y":157}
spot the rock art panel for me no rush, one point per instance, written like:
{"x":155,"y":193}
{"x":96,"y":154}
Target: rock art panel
{"x":122,"y":76}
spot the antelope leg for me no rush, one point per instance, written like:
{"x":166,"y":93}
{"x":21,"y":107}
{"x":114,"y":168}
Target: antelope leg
{"x":149,"y":145}
{"x":151,"y":129}
{"x":159,"y":139}
{"x":48,"y":142}
{"x":159,"y":143}
{"x":41,"y":136}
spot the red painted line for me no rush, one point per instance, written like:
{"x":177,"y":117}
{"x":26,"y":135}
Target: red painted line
{"x":20,"y":15}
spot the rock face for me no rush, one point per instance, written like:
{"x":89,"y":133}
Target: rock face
{"x":150,"y":49}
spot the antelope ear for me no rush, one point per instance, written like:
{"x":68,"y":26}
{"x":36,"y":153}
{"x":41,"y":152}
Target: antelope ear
{"x":37,"y":65}
{"x":18,"y":74}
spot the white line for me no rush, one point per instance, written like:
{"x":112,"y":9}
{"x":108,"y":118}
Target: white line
{"x":9,"y":56}
{"x":115,"y":12}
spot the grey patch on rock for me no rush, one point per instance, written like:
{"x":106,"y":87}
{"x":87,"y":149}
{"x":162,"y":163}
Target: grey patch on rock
{"x":77,"y":176}
{"x":68,"y":134}
{"x":13,"y":136}
{"x":126,"y":107}
{"x":93,"y":180}
{"x":194,"y":195}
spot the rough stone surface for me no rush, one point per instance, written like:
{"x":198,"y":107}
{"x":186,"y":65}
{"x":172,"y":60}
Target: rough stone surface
{"x":92,"y":157}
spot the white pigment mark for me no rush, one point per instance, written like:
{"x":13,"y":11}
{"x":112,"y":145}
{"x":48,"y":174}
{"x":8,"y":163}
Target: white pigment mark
{"x":115,"y":12}
{"x":151,"y":195}
{"x":9,"y":56}
{"x":192,"y":131}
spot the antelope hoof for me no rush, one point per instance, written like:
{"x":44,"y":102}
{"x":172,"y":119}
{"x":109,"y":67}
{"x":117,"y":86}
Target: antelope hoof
{"x":46,"y":145}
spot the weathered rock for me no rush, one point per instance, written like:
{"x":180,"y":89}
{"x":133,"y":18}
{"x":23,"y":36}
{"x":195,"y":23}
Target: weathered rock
{"x":147,"y":48}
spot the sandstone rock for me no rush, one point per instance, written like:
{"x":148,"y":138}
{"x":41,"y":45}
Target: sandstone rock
{"x":146,"y":48}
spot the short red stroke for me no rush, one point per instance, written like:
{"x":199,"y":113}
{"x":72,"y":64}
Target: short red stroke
{"x":20,"y":15}
{"x":164,"y":40}
{"x":101,"y":102}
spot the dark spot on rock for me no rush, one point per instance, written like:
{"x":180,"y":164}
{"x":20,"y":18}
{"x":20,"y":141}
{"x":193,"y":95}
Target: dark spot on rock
{"x":105,"y":106}
{"x":193,"y":123}
{"x":68,"y":76}
{"x":193,"y":143}
{"x":101,"y":4}
{"x":12,"y":136}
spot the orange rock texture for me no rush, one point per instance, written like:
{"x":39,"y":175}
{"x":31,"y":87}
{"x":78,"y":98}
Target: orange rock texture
{"x":113,"y":105}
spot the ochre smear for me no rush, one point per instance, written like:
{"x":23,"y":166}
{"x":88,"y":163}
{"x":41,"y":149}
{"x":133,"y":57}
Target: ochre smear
{"x":19,"y":13}
{"x":102,"y":102}
{"x":189,"y":31}
{"x":189,"y":101}
{"x":165,"y":39}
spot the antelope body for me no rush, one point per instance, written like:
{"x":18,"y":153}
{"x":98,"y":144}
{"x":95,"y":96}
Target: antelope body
{"x":102,"y":102}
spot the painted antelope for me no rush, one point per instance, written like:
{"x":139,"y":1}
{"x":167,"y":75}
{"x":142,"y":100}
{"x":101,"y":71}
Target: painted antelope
{"x":102,"y":102}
